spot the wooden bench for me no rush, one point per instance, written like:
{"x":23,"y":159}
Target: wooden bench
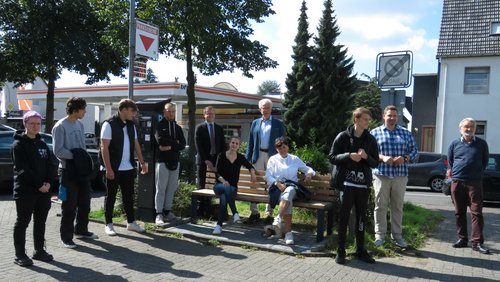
{"x":321,"y":201}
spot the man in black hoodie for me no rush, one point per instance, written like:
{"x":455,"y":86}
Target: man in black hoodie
{"x":33,"y":172}
{"x":170,"y":139}
{"x":355,"y":153}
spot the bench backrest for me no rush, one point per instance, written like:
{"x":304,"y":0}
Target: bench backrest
{"x":319,"y":185}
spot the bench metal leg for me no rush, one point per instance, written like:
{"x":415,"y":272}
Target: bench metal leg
{"x":329,"y":222}
{"x":320,"y":228}
{"x":194,"y":208}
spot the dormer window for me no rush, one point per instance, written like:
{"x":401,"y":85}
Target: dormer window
{"x":495,"y":29}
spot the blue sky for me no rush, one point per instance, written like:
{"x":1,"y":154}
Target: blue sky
{"x":367,"y":28}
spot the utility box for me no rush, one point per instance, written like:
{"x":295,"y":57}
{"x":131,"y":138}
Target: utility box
{"x":150,"y":113}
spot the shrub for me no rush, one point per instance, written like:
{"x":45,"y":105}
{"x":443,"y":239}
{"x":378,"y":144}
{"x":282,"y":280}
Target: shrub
{"x":182,"y":199}
{"x":314,"y":158}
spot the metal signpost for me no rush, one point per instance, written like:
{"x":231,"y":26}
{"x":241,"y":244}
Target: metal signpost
{"x":394,"y":71}
{"x":143,"y":42}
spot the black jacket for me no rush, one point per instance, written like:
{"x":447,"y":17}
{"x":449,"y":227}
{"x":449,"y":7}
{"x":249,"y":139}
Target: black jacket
{"x":202,"y":138}
{"x":346,"y":143}
{"x":33,"y":165}
{"x":169,"y":133}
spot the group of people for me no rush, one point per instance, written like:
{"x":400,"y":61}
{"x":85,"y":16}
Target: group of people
{"x":363,"y":159}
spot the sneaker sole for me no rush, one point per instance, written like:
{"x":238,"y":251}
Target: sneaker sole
{"x":23,"y":264}
{"x":43,"y":259}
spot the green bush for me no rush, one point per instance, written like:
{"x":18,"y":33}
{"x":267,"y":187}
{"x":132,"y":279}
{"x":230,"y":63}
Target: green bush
{"x":182,"y":199}
{"x":314,"y":158}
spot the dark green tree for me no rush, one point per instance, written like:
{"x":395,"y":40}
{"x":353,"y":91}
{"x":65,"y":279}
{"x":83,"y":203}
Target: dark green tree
{"x":150,"y":77}
{"x":40,"y":38}
{"x":333,"y":84}
{"x":212,"y":36}
{"x":298,"y":83}
{"x":269,"y":87}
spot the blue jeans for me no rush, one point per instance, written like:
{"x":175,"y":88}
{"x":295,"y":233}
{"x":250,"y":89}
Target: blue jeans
{"x":226,"y":197}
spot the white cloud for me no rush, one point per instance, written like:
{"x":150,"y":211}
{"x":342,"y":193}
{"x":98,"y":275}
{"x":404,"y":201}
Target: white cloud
{"x":377,"y":27}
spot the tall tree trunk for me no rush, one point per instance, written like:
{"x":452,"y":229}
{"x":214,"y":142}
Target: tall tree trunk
{"x":191,"y":80}
{"x":49,"y":110}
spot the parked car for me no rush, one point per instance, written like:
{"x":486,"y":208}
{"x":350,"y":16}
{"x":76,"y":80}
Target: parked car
{"x":429,"y":169}
{"x":491,"y":179}
{"x":90,"y":140}
{"x":4,"y":127}
{"x":6,"y":164}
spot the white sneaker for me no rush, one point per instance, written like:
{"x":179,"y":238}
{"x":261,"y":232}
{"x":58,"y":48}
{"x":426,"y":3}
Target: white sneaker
{"x":289,"y":238}
{"x":109,"y":229}
{"x":217,"y":230}
{"x":159,"y":220}
{"x":171,"y":216}
{"x":133,"y":226}
{"x":236,"y":218}
{"x":400,"y":242}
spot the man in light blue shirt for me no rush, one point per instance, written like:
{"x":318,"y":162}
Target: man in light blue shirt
{"x":263,"y":132}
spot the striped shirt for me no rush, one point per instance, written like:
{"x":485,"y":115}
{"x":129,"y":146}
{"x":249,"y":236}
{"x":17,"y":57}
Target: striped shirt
{"x":397,"y":142}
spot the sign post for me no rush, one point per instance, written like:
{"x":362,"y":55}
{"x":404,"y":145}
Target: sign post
{"x":394,"y":71}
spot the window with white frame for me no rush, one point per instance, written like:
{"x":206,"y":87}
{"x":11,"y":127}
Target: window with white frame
{"x":477,"y":80}
{"x":481,"y":129}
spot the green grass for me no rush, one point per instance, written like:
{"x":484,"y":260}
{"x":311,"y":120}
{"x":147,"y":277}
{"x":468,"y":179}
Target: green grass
{"x":118,"y":215}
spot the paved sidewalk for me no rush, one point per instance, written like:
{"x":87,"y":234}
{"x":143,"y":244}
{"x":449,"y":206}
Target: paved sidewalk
{"x":157,"y":257}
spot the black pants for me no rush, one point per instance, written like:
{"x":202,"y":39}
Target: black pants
{"x":39,"y":207}
{"x":204,"y":202}
{"x":77,"y":205}
{"x":359,"y":198}
{"x":124,"y":179}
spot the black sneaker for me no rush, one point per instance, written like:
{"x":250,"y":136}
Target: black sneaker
{"x":340,"y":258}
{"x":86,"y":235}
{"x":42,"y":255}
{"x":23,"y":260}
{"x":365,"y":256}
{"x":69,"y":244}
{"x":253,"y":218}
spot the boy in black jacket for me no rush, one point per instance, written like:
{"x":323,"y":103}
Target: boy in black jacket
{"x":33,"y":172}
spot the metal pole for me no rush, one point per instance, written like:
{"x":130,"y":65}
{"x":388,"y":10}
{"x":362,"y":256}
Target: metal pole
{"x":131,"y":50}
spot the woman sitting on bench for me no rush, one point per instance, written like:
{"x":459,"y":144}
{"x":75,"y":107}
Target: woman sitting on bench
{"x":228,"y":167}
{"x":280,"y":167}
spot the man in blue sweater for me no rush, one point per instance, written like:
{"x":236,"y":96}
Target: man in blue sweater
{"x":468,"y":158}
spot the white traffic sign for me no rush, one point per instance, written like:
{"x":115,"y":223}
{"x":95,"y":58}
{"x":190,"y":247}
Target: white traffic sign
{"x":394,"y":70}
{"x":146,"y":40}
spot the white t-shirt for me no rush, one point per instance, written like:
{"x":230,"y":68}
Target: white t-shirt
{"x":106,"y":134}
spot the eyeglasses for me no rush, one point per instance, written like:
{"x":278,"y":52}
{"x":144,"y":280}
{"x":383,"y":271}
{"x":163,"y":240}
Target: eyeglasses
{"x":34,"y":124}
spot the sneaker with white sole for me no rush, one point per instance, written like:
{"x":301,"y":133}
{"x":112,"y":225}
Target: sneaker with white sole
{"x":289,"y":238}
{"x":171,"y":217}
{"x":133,"y":226}
{"x":86,"y":235}
{"x":400,"y":242}
{"x":236,"y":218}
{"x":109,"y":229}
{"x":159,"y":220}
{"x":379,"y":242}
{"x":217,"y":230}
{"x":69,"y":244}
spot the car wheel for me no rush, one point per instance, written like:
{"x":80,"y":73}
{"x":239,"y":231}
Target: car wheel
{"x":436,"y":183}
